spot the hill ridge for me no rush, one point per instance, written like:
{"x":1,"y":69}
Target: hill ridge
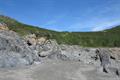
{"x":106,"y":38}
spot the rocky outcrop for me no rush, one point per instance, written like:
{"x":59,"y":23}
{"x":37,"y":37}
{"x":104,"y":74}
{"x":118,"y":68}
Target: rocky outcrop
{"x":3,"y":26}
{"x":14,"y":51}
{"x":101,"y":58}
{"x":109,"y":64}
{"x":42,"y":40}
{"x":32,"y":40}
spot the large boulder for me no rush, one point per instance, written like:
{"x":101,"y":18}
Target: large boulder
{"x":109,"y":63}
{"x":50,"y":47}
{"x":14,"y":51}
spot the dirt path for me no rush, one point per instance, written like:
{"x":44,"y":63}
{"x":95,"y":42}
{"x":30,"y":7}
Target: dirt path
{"x":52,"y":70}
{"x":46,"y":71}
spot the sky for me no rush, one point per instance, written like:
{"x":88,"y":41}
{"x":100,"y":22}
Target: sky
{"x":64,"y":15}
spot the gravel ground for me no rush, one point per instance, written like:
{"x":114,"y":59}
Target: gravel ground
{"x":56,"y":70}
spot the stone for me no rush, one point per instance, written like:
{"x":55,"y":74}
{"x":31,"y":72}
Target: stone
{"x":31,"y":39}
{"x":14,"y":51}
{"x":3,"y":26}
{"x":41,"y":40}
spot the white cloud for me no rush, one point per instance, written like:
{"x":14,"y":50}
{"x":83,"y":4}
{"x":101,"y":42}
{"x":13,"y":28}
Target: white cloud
{"x":100,"y":28}
{"x":105,"y":25}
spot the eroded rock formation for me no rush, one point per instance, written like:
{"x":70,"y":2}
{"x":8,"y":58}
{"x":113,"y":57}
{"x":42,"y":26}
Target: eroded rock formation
{"x":3,"y":26}
{"x":16,"y":51}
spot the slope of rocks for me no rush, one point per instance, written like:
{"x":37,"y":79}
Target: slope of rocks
{"x":103,"y":58}
{"x":14,"y":51}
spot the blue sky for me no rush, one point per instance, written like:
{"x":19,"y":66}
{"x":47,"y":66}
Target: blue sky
{"x":64,"y":15}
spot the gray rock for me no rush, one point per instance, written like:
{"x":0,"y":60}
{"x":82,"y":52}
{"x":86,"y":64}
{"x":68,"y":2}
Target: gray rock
{"x":104,"y":57}
{"x":14,"y":51}
{"x":109,"y":65}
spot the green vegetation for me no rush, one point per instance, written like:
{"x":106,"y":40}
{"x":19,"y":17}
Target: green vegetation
{"x":107,"y":38}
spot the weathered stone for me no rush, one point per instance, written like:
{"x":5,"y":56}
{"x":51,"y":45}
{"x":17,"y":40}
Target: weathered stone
{"x":13,"y":51}
{"x":41,"y":40}
{"x":3,"y":26}
{"x":31,"y":39}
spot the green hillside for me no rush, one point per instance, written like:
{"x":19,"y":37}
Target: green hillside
{"x":23,"y":29}
{"x":106,"y":38}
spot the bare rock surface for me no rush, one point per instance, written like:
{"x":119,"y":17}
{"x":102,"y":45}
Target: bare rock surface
{"x":103,"y":57}
{"x":13,"y":51}
{"x":3,"y":26}
{"x":50,"y":61}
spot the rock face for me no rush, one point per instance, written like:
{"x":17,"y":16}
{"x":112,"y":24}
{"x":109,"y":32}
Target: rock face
{"x":32,"y":40}
{"x":101,"y":58}
{"x":14,"y":51}
{"x":109,"y":63}
{"x":3,"y":26}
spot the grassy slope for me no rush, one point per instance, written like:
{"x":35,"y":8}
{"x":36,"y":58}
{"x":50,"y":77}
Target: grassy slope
{"x":107,"y":38}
